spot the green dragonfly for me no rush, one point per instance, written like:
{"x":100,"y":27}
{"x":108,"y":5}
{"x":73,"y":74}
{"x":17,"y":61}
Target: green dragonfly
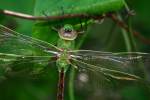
{"x":101,"y":66}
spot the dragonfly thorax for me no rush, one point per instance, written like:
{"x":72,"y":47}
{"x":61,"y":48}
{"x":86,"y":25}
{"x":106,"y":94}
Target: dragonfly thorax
{"x":63,"y":61}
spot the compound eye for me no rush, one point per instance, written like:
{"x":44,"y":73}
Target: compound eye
{"x":67,"y":30}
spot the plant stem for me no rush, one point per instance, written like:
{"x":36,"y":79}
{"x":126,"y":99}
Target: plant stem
{"x":71,"y":84}
{"x":128,"y":36}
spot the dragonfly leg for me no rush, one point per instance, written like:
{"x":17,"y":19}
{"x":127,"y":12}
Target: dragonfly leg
{"x":55,"y":29}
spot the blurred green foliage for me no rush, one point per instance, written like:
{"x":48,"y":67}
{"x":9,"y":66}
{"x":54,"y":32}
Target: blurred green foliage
{"x":74,"y":7}
{"x":106,"y":37}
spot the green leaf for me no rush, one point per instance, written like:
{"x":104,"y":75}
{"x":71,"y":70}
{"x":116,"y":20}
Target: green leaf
{"x":45,"y":33}
{"x":55,"y":7}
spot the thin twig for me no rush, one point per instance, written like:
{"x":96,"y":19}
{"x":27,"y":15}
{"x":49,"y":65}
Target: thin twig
{"x":30,"y":17}
{"x":142,"y":38}
{"x":125,"y":27}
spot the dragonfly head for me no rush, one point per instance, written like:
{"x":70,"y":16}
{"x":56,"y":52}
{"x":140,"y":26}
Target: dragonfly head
{"x":67,"y":32}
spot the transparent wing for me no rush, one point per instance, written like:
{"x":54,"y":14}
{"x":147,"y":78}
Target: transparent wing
{"x":7,"y":59}
{"x":116,"y":61}
{"x":116,"y":74}
{"x":15,"y":43}
{"x":102,"y":68}
{"x":88,"y":53}
{"x":97,"y":79}
{"x":11,"y":64}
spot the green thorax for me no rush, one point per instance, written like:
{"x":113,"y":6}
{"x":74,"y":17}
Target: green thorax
{"x":65,"y":44}
{"x":63,"y":60}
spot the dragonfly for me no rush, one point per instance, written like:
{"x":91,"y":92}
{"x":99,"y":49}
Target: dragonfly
{"x":100,"y":66}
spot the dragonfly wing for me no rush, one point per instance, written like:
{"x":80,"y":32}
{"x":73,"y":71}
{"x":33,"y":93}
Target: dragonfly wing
{"x":134,"y":62}
{"x":100,"y":80}
{"x":11,"y":63}
{"x":96,"y":57}
{"x":131,"y":66}
{"x":16,"y":43}
{"x":88,"y":53}
{"x":116,"y":74}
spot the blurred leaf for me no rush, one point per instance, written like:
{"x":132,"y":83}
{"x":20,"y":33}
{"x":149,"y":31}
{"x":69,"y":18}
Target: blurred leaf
{"x":82,"y":6}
